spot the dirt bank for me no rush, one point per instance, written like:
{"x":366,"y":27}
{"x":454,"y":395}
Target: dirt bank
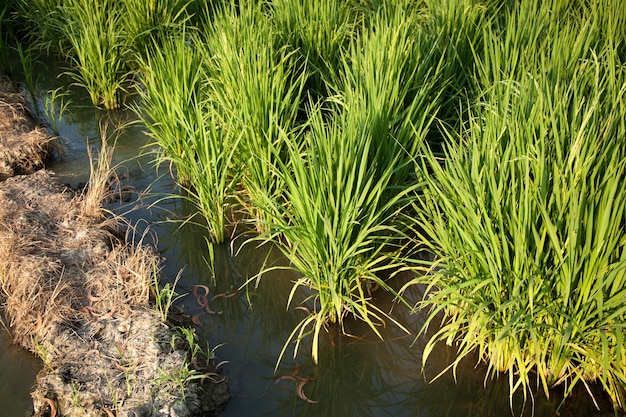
{"x":82,"y":299}
{"x":24,"y":146}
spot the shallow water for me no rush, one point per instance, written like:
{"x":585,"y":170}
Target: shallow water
{"x":357,"y":375}
{"x":17,"y":373}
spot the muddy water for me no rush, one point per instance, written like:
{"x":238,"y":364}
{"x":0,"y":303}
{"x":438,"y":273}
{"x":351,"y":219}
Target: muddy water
{"x":357,"y":375}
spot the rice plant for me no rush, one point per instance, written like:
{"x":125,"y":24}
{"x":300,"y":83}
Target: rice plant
{"x":143,"y":20}
{"x":318,"y":31}
{"x":40,"y":21}
{"x":526,"y":211}
{"x":390,"y":82}
{"x":336,"y":225}
{"x":4,"y":47}
{"x":346,"y":175}
{"x":256,"y":85}
{"x":28,"y":62}
{"x":99,"y":49}
{"x":201,"y":146}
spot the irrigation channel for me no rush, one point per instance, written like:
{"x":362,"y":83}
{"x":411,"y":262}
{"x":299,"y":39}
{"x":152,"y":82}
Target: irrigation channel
{"x":357,"y":375}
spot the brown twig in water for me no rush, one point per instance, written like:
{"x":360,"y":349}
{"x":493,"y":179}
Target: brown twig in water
{"x":300,"y":383}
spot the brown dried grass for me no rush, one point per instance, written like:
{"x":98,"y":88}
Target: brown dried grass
{"x":24,"y":144}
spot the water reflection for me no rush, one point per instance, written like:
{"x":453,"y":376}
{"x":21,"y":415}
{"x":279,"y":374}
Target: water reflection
{"x":357,"y":375}
{"x":18,"y":373}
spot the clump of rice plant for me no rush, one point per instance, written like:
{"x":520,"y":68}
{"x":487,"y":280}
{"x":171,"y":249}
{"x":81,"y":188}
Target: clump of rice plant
{"x":335,"y":225}
{"x":40,"y":21}
{"x":389,"y":83}
{"x":255,"y":86}
{"x":99,"y":49}
{"x":143,"y":20}
{"x":318,"y":31}
{"x":176,"y":111}
{"x":346,"y":175}
{"x":525,"y":214}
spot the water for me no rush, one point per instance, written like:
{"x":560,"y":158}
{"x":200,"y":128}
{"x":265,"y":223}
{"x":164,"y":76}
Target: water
{"x":18,"y":370}
{"x":357,"y":375}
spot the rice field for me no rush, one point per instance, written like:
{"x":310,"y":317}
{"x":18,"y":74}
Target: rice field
{"x":356,"y":136}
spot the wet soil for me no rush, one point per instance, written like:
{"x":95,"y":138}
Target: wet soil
{"x":82,"y":299}
{"x":24,"y":145}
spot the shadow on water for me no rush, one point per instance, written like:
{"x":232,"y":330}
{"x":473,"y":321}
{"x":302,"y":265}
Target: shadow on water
{"x":357,"y":375}
{"x":18,"y":370}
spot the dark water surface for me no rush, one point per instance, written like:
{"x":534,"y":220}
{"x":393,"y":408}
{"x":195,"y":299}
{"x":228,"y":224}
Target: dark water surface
{"x":357,"y":375}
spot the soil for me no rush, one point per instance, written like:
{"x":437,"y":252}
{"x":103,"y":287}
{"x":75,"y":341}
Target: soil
{"x":82,"y":299}
{"x":24,"y":145}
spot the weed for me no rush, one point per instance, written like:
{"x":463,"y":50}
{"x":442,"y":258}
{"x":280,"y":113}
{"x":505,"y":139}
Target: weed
{"x":164,"y":297}
{"x":42,"y":353}
{"x":55,"y":106}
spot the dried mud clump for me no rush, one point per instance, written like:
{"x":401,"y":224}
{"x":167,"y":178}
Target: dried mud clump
{"x":80,"y":298}
{"x":25,"y":144}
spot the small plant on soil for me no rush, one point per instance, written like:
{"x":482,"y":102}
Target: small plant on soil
{"x":164,"y":296}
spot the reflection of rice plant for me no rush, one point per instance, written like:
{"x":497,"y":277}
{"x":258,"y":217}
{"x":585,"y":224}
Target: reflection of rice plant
{"x":526,"y":214}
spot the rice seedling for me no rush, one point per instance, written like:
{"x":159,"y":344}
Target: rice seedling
{"x":318,"y":32}
{"x":526,"y":211}
{"x":99,"y":49}
{"x":335,"y":225}
{"x":255,"y":84}
{"x":201,"y":145}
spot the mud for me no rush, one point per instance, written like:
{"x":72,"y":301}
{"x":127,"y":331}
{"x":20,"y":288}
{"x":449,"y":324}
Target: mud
{"x":82,"y":299}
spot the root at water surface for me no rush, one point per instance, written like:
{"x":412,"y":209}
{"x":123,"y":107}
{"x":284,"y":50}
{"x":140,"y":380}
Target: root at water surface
{"x":79,"y":298}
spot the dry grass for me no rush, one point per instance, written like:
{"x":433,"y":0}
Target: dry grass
{"x":79,"y":298}
{"x":25,"y":145}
